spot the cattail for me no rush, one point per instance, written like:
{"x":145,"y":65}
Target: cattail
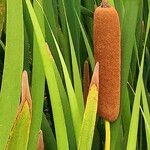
{"x":107,"y":53}
{"x":86,"y":80}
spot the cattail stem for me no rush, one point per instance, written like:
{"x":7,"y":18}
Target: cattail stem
{"x":104,"y":1}
{"x":105,"y":4}
{"x":107,"y":135}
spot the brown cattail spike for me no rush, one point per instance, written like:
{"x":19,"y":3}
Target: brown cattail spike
{"x":107,"y":53}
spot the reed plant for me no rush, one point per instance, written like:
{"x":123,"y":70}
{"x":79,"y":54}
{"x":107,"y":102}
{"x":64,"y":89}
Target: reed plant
{"x":51,"y":79}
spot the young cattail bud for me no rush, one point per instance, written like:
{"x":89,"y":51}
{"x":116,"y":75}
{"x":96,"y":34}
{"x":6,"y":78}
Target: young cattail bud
{"x":86,"y":80}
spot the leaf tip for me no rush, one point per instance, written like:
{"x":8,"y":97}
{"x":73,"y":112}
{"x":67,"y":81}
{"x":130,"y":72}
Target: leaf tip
{"x":95,"y":77}
{"x":26,"y":96}
{"x":40,"y":144}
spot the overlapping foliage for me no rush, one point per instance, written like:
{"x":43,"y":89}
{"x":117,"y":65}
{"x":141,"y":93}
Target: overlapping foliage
{"x":51,"y":40}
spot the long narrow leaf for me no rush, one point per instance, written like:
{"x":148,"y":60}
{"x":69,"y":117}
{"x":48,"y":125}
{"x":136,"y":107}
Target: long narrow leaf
{"x":146,"y":116}
{"x":38,"y":82}
{"x":75,"y":112}
{"x":128,"y":32}
{"x":136,"y":106}
{"x":89,"y":50}
{"x":76,"y":74}
{"x":89,"y":119}
{"x":49,"y":139}
{"x":13,"y":66}
{"x":19,"y":135}
{"x":60,"y":127}
{"x":2,"y":14}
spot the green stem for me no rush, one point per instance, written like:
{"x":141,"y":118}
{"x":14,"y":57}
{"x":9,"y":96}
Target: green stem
{"x":107,"y":135}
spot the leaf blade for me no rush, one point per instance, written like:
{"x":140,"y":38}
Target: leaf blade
{"x":11,"y":75}
{"x":89,"y":119}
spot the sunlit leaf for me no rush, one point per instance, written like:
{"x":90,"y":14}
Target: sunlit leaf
{"x":19,"y":135}
{"x":89,"y":119}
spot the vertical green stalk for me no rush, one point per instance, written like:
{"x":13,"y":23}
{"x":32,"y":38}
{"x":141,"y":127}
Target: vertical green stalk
{"x":107,"y":135}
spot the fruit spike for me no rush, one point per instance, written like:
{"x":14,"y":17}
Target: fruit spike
{"x":107,"y":53}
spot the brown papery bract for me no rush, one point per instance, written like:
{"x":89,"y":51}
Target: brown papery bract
{"x":108,"y":53}
{"x":25,"y":96}
{"x":40,"y":144}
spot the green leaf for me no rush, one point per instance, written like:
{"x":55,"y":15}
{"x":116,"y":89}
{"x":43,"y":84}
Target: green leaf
{"x":49,"y":11}
{"x":144,"y":98}
{"x":72,"y":22}
{"x":136,"y":106}
{"x":38,"y":84}
{"x":89,"y":119}
{"x":88,"y":15}
{"x":13,"y":65}
{"x":27,"y":52}
{"x":59,"y":121}
{"x":111,"y":2}
{"x":48,"y":36}
{"x":20,"y":132}
{"x":49,"y":139}
{"x":19,"y":135}
{"x":66,"y":109}
{"x":146,"y":115}
{"x":77,"y":119}
{"x":127,"y":43}
{"x":132,"y":137}
{"x":2,"y":14}
{"x":86,"y":12}
{"x":120,"y":9}
{"x":146,"y":124}
{"x":116,"y":135}
{"x":72,"y":97}
{"x":76,"y":74}
{"x":64,"y":37}
{"x":89,"y":50}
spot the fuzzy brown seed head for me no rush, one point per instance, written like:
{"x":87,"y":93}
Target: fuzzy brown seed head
{"x":107,"y":53}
